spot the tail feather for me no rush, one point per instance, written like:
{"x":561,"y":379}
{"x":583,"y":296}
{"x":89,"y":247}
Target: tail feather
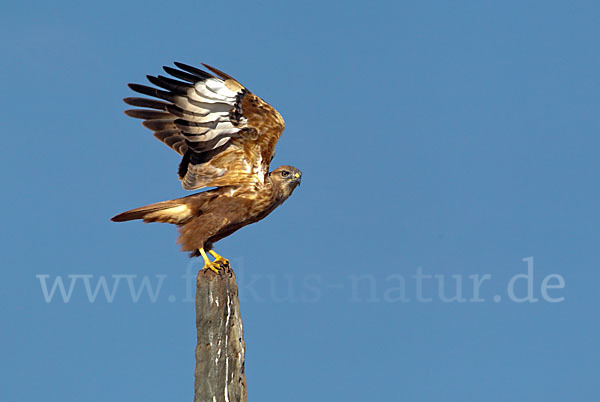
{"x":173,"y":211}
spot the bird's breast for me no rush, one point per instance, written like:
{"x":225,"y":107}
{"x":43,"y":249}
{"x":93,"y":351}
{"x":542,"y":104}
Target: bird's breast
{"x":259,"y":201}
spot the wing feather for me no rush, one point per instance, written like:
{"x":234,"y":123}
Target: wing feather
{"x":225,"y":133}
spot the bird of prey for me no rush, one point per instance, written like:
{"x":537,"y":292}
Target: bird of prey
{"x":226,"y":136}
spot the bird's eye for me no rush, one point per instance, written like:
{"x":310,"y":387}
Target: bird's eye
{"x":285,"y":173}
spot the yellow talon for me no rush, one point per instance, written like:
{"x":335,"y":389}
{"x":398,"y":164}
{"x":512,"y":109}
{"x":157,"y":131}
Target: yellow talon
{"x":208,"y":264}
{"x":219,"y":259}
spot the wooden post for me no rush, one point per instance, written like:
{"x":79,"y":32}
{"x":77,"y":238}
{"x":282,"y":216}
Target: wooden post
{"x":221,"y":349}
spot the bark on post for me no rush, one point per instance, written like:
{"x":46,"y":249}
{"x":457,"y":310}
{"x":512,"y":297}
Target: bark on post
{"x":221,"y":349}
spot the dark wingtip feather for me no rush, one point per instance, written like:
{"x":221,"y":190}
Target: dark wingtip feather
{"x":145,"y":102}
{"x":146,"y":90}
{"x":143,"y":89}
{"x":154,"y":80}
{"x":148,"y":114}
{"x":151,"y":78}
{"x":158,"y":125}
{"x":183,"y":165}
{"x":194,"y":70}
{"x":175,"y":86}
{"x":182,"y":75}
{"x":131,"y":100}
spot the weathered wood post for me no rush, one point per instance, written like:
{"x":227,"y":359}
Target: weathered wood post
{"x":220,"y":351}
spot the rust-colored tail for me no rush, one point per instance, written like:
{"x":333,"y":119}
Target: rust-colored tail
{"x":173,"y":211}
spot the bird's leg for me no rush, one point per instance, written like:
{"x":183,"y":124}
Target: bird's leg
{"x":219,"y":259}
{"x":208,"y":264}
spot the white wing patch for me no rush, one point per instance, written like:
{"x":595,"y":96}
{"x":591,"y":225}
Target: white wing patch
{"x":213,"y":101}
{"x":215,"y":89}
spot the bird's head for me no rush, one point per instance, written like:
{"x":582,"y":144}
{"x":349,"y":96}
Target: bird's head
{"x":286,"y":179}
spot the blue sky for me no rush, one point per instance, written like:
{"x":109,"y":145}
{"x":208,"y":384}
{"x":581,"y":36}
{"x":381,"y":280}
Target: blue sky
{"x":450,"y":138}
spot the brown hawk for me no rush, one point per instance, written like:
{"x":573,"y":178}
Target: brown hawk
{"x":226,"y":136}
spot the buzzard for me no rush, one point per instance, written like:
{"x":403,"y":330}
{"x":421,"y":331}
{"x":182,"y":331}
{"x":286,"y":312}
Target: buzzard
{"x":226,"y":136}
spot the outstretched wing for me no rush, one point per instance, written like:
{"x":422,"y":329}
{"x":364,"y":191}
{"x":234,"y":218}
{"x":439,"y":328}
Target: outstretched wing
{"x":225,"y":133}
